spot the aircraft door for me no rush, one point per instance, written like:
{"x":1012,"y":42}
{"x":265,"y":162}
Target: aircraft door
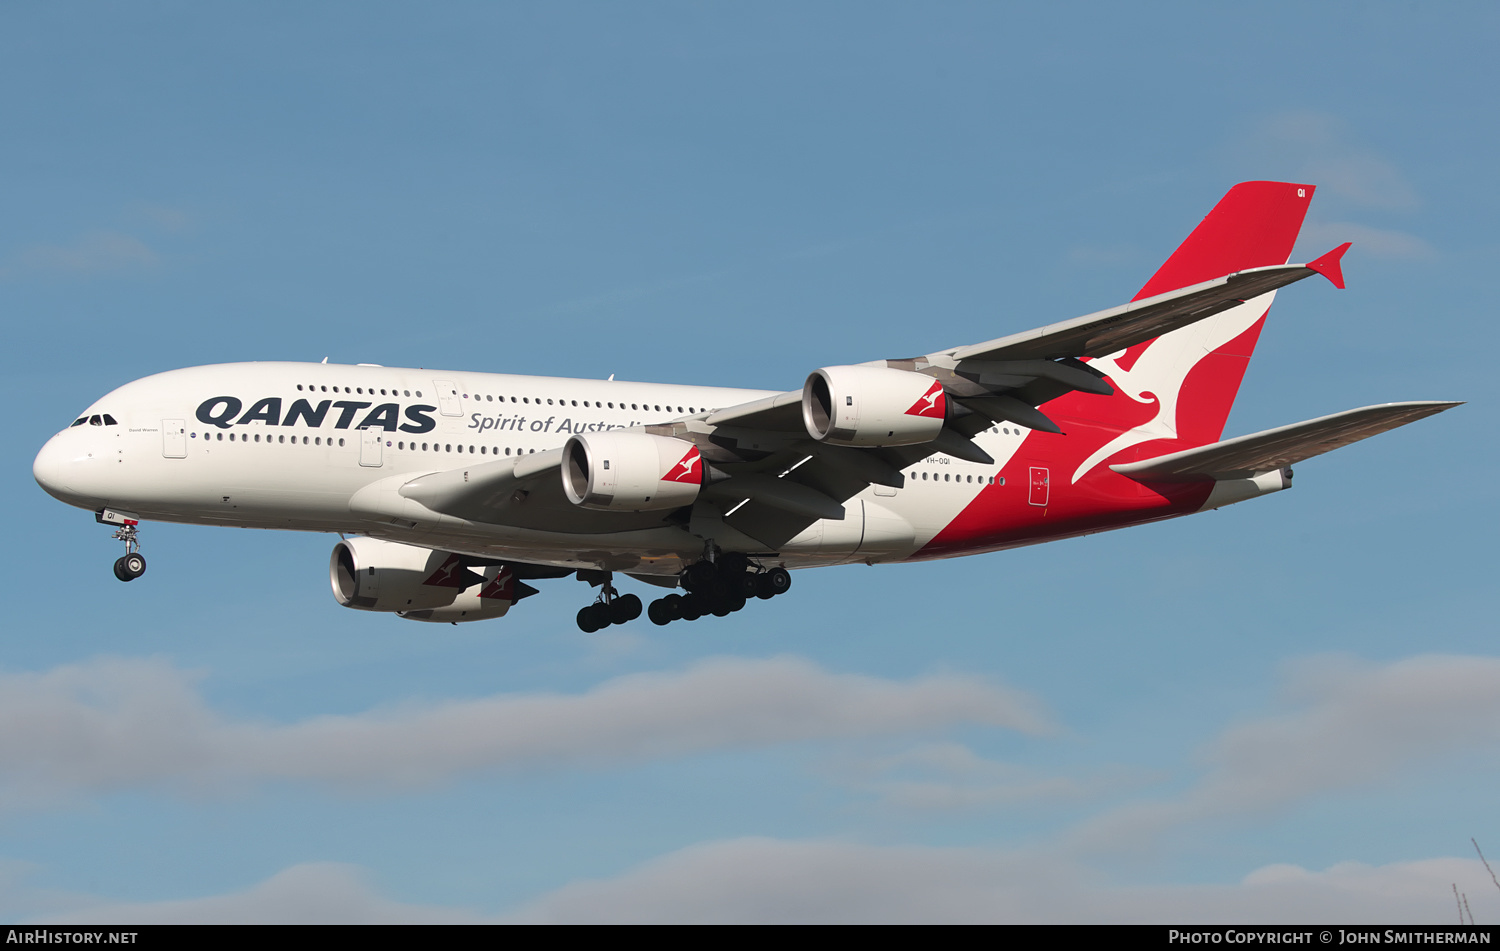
{"x":449,"y":403}
{"x":369,"y":446}
{"x":174,"y":438}
{"x":1040,"y":486}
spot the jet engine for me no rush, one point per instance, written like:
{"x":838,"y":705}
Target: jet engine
{"x":620,"y":471}
{"x":872,"y":406}
{"x":417,"y":583}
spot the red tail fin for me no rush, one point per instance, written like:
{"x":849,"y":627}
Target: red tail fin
{"x":1175,"y":392}
{"x":1179,"y":387}
{"x":1254,"y":225}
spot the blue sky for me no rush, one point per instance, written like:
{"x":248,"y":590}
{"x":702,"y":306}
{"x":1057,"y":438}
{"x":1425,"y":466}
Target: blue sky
{"x":1286,"y":710}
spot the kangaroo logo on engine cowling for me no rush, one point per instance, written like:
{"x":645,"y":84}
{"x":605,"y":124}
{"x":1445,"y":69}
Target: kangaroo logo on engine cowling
{"x":224,"y":412}
{"x":933,"y":403}
{"x":688,"y":469}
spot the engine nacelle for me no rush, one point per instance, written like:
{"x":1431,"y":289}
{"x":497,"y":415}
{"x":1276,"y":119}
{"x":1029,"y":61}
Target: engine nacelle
{"x":619,"y":471}
{"x":369,"y":574}
{"x":872,"y":406}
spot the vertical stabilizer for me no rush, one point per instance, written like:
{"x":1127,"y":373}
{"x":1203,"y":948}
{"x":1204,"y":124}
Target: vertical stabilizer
{"x":1176,"y":391}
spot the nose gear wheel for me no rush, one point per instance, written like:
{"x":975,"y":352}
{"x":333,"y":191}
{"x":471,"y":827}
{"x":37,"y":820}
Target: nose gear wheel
{"x":133,"y":564}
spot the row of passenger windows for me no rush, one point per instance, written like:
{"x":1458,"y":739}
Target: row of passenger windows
{"x":596,"y":404}
{"x":356,"y":389}
{"x":319,"y":441}
{"x":103,"y":419}
{"x":491,"y":398}
{"x":950,"y":477}
{"x":247,"y":437}
{"x":449,"y":447}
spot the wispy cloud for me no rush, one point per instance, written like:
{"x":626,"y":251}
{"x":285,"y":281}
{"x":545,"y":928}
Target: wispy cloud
{"x":1351,"y":726}
{"x":1323,"y":149}
{"x":1353,"y":180}
{"x":1378,"y":242}
{"x":312,"y":893}
{"x":114,"y":723}
{"x":775,"y":881}
{"x":950,"y":777}
{"x":98,"y":253}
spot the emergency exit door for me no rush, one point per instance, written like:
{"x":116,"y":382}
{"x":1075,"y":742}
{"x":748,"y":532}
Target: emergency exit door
{"x":174,"y":438}
{"x":1040,"y":480}
{"x":369,"y":446}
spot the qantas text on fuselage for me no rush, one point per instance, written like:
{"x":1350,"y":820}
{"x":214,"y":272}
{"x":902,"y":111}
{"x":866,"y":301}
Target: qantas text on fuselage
{"x":453,"y":489}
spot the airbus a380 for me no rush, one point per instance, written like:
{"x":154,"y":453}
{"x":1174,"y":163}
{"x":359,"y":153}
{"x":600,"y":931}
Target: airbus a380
{"x":452,"y":489}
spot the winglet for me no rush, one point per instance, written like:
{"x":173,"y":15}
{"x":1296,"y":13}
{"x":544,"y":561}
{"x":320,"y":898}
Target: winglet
{"x":1328,"y":265}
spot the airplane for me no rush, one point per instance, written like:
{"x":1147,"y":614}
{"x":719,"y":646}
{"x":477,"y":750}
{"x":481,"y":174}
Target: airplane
{"x":450,"y":490}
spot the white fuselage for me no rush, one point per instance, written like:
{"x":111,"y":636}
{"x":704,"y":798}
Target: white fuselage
{"x":298,"y":446}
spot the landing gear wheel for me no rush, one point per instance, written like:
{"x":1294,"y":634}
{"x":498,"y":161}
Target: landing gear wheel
{"x":659,"y":613}
{"x":694,"y":606}
{"x":589,"y":619}
{"x":130,"y":567}
{"x":698,"y":576}
{"x":746,"y":585}
{"x":774,"y":582}
{"x":625,"y":609}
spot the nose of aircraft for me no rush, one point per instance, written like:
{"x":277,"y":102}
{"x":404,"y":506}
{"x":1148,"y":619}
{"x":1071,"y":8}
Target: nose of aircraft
{"x":60,"y":466}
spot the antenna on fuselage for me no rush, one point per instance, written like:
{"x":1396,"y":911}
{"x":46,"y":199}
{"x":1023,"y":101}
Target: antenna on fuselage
{"x":325,"y":359}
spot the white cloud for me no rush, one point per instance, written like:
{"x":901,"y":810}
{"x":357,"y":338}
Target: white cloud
{"x":95,"y":253}
{"x":118,"y":723}
{"x":309,"y":894}
{"x":772,"y":881}
{"x":1352,"y":726}
{"x":948,"y":777}
{"x":763,"y":880}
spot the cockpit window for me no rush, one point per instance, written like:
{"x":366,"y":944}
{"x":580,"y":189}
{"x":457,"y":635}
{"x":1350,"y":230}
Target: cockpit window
{"x":79,"y":421}
{"x":109,"y":420}
{"x":96,"y":420}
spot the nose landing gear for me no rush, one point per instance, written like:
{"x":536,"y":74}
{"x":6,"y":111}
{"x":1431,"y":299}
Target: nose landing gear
{"x":133,"y":564}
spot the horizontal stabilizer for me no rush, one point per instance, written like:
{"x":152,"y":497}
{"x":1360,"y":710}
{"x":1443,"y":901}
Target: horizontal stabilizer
{"x":1246,"y":456}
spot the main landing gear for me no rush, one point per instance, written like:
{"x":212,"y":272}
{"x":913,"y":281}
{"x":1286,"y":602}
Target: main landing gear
{"x":132,"y":564}
{"x":720,"y":588}
{"x":610,"y":608}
